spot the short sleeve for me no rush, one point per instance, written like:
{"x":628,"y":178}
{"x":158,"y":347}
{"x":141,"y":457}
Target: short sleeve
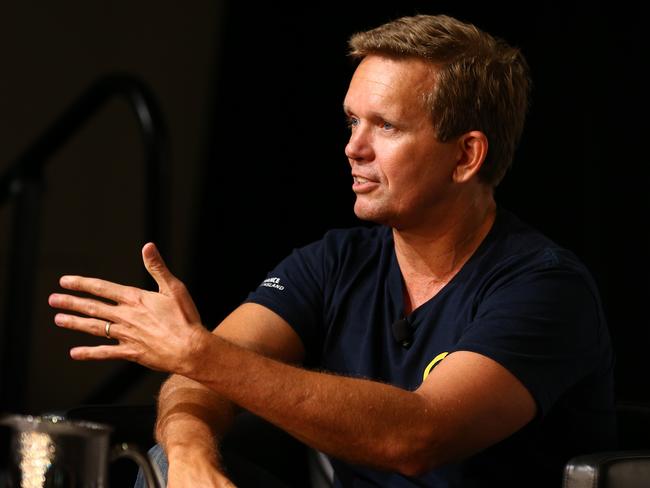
{"x":544,"y":325}
{"x":294,"y":290}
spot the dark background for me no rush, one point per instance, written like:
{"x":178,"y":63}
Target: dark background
{"x":252,"y":95}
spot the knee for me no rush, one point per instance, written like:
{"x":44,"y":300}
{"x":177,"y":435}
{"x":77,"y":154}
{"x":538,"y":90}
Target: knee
{"x":159,"y":459}
{"x":158,"y":456}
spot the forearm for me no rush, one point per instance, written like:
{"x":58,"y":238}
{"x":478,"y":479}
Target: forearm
{"x":191,"y":419}
{"x":358,"y":420}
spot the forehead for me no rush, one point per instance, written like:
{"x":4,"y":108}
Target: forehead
{"x":390,"y":83}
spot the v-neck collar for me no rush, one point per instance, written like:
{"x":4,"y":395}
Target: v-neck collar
{"x":396,"y":280}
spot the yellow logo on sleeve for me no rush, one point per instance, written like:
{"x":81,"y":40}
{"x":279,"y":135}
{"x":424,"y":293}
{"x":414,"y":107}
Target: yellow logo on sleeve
{"x":433,"y":363}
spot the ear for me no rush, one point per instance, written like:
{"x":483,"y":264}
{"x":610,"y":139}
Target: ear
{"x":473,"y":147}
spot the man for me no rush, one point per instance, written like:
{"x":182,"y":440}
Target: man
{"x":456,"y":346}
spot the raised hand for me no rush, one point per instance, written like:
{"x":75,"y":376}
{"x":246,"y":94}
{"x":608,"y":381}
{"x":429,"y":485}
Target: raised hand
{"x":160,"y":330}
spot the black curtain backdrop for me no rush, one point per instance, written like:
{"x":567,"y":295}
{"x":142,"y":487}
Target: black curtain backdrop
{"x":275,"y":176}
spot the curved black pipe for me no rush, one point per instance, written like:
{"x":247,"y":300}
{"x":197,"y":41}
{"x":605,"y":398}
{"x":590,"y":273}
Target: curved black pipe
{"x":22,"y":183}
{"x":29,"y":164}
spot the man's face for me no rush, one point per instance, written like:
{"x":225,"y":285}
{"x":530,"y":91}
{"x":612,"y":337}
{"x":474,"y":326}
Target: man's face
{"x":402,"y":174}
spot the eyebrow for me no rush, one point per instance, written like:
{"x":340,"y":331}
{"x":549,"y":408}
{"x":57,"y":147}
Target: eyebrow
{"x":372,"y":114}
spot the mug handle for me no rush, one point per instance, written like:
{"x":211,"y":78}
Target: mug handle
{"x":150,"y":470}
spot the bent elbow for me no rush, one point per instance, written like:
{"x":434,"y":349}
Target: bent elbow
{"x":416,"y":459}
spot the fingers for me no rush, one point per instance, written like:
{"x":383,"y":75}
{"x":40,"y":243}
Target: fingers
{"x":96,"y":327}
{"x":157,"y":268}
{"x":96,"y":353}
{"x":155,"y":265}
{"x":86,"y":306}
{"x":97,"y":287}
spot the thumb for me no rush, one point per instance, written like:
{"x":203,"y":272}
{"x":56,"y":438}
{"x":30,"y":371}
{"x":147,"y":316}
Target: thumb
{"x":157,"y":268}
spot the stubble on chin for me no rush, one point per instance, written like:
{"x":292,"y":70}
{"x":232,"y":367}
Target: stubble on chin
{"x":371,"y":212}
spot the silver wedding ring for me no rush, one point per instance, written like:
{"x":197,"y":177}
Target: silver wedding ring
{"x":107,"y":329}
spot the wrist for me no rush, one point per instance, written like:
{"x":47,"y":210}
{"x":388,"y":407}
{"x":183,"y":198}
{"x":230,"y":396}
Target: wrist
{"x":197,"y":453}
{"x":199,"y":349}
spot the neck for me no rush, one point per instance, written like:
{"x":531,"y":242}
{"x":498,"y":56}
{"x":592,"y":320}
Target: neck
{"x":430,"y":256}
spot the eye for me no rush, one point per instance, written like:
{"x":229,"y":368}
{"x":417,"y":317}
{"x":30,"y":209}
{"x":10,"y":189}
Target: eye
{"x":352,"y":122}
{"x":387,"y":126}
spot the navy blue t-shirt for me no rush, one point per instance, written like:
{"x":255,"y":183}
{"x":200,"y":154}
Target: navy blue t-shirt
{"x":520,"y":299}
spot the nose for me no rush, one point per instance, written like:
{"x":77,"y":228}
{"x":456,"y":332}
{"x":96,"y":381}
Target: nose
{"x":359,"y":147}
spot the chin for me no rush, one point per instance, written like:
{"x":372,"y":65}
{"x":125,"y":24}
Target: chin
{"x":371,"y":215}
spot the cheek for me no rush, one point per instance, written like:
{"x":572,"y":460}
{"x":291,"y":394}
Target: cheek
{"x":396,"y":161}
{"x":407,"y":168}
